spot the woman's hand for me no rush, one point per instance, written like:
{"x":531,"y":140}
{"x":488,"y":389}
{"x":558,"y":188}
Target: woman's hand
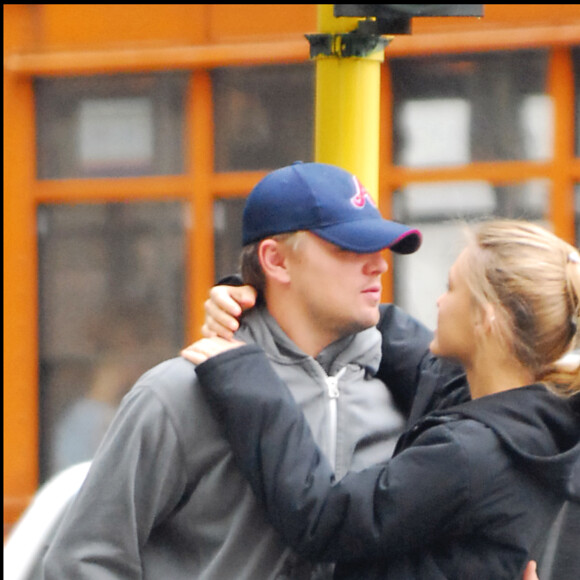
{"x":223,"y":309}
{"x":530,"y":571}
{"x":205,"y":348}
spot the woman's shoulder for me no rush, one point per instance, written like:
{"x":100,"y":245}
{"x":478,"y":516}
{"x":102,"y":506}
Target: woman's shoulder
{"x":471,"y":445}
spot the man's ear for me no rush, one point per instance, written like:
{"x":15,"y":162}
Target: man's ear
{"x":272,"y":255}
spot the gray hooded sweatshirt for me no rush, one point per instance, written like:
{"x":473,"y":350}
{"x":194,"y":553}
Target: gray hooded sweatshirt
{"x":164,"y":499}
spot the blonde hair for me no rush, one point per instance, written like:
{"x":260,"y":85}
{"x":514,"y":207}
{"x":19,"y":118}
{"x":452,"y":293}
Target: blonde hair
{"x":532,"y":279}
{"x":250,"y":267}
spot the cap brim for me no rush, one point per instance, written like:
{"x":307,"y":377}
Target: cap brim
{"x":368,"y":236}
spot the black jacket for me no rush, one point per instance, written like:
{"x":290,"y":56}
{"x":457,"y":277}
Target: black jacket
{"x":470,"y":492}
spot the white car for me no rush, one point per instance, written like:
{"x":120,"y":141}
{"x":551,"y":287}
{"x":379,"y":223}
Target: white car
{"x":29,"y":539}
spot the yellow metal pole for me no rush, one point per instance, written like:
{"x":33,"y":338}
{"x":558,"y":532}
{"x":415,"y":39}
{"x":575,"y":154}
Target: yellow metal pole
{"x":348,"y":99}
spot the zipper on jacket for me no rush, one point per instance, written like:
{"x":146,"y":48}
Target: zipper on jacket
{"x":333,"y":394}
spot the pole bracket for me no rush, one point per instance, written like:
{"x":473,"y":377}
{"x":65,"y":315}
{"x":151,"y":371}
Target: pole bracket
{"x":348,"y":45}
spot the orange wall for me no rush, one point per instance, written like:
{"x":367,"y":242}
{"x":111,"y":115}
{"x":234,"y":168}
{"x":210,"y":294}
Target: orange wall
{"x":66,"y":26}
{"x":56,"y":27}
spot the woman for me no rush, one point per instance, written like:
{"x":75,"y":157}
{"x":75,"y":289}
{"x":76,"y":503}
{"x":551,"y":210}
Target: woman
{"x":472,"y":488}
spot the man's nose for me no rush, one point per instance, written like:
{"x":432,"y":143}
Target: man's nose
{"x":376,"y":264}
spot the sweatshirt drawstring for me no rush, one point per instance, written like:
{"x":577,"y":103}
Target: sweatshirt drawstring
{"x":333,"y":394}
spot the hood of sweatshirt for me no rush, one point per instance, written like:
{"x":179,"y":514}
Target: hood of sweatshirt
{"x":540,"y":429}
{"x":362,"y":348}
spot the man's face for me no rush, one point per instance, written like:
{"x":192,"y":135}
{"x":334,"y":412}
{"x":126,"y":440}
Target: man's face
{"x":338,"y":290}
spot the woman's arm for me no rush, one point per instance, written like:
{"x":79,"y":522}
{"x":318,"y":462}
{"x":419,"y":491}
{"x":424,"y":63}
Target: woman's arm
{"x":382,"y":512}
{"x":405,"y":345}
{"x":407,"y":367}
{"x":418,"y":381}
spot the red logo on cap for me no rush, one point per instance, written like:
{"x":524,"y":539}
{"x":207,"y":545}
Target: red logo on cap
{"x":361,"y":196}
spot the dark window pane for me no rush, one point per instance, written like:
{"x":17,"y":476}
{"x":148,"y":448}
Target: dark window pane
{"x":452,"y":110}
{"x":110,"y":126}
{"x":264,"y":116}
{"x":111,"y":306}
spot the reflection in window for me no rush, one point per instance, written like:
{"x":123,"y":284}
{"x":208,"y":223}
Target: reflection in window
{"x":115,"y":132}
{"x":437,"y":132}
{"x":111,"y":295}
{"x":439,"y":212}
{"x":110,"y":126}
{"x":264,"y":116}
{"x":481,"y":107}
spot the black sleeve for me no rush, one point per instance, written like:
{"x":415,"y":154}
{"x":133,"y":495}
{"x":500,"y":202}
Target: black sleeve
{"x":383,"y":511}
{"x":419,"y":381}
{"x":230,"y":280}
{"x":405,"y":345}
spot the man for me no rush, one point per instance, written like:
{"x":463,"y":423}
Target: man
{"x":163,"y":498}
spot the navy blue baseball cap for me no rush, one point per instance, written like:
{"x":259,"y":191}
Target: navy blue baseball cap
{"x":327,"y":201}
